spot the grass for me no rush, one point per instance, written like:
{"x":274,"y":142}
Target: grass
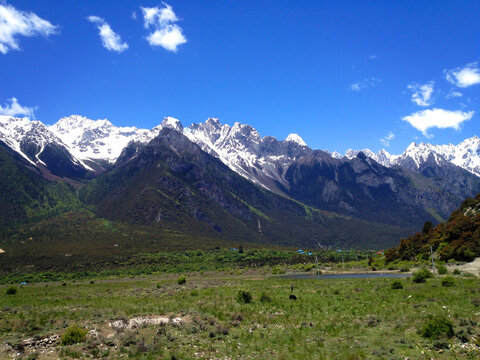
{"x":332,"y":319}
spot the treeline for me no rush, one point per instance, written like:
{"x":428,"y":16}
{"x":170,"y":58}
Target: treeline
{"x":458,"y":238}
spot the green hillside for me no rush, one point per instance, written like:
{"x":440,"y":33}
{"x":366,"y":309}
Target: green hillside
{"x":457,"y":238}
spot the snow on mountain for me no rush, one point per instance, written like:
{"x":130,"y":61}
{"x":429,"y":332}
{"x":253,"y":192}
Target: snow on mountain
{"x":382,"y":157}
{"x":296,"y":139}
{"x":263,"y":160}
{"x":30,"y":138}
{"x":97,"y":139}
{"x":465,"y":155}
{"x":100,"y":139}
{"x":240,"y":147}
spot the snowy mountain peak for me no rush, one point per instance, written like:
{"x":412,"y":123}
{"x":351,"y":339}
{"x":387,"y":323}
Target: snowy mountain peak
{"x":172,"y":123}
{"x":98,"y":139}
{"x":296,"y":139}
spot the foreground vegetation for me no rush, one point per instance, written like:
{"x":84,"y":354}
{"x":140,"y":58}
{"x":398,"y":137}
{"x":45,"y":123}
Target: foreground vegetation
{"x":249,"y":316}
{"x":458,"y":238}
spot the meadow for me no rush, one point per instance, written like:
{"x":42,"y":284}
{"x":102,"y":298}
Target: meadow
{"x":210,"y":316}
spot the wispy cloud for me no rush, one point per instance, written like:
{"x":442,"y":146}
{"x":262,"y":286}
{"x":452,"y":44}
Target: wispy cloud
{"x":373,"y":57}
{"x":422,"y":94}
{"x":453,"y":94}
{"x":364,"y":84}
{"x":386,"y":140}
{"x":15,"y":109}
{"x":166,"y":33}
{"x":14,"y":23}
{"x":437,"y":118}
{"x":464,"y":77}
{"x":110,"y":40}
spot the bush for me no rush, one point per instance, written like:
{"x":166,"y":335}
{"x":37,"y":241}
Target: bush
{"x":194,"y":293}
{"x":421,"y":276}
{"x":448,"y":281}
{"x":264,"y":297}
{"x":11,"y":290}
{"x":404,"y":269}
{"x":397,"y":284}
{"x":182,"y":280}
{"x":456,"y":272}
{"x":442,"y":269}
{"x":74,"y":335}
{"x":244,"y":297}
{"x":437,"y":327}
{"x":92,"y":282}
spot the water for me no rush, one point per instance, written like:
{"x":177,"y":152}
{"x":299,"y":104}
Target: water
{"x":344,"y":276}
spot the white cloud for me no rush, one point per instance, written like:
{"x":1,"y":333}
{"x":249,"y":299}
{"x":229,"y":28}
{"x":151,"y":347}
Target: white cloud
{"x":166,"y":33}
{"x":373,"y":57}
{"x":134,"y":15}
{"x":15,"y":109}
{"x":110,"y":40}
{"x":454,"y":94}
{"x":14,"y":23}
{"x":422,"y":94}
{"x":363,"y":84}
{"x":464,"y":77}
{"x":386,"y":140}
{"x":437,"y":118}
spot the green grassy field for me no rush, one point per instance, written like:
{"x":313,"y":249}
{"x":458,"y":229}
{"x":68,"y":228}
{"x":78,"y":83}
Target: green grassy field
{"x":331,"y":319}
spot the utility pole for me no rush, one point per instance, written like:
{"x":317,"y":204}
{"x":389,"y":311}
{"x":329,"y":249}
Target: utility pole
{"x":433,"y":262}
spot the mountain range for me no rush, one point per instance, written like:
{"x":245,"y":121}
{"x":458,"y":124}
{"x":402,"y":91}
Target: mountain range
{"x":230,"y":182}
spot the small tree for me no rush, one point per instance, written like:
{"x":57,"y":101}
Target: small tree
{"x":437,"y":327}
{"x":427,"y":227}
{"x":74,"y":335}
{"x":397,"y":284}
{"x":11,"y":290}
{"x":421,"y":276}
{"x":244,"y":297}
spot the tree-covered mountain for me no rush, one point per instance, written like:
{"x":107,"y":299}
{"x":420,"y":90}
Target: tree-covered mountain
{"x":457,"y":238}
{"x":26,"y":195}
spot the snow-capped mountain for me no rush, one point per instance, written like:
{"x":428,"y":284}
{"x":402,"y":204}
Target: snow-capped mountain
{"x":240,"y":147}
{"x":86,"y":143}
{"x":37,"y":145}
{"x":465,"y":155}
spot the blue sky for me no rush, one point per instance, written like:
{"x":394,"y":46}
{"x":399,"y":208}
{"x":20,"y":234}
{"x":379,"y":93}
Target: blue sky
{"x":341,"y":74}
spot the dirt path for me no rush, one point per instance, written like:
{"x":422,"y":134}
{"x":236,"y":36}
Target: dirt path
{"x":471,"y":267}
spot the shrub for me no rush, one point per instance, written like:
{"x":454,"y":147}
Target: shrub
{"x":442,"y":269}
{"x":11,"y":290}
{"x":182,"y":280}
{"x":456,"y":272}
{"x":264,"y":297}
{"x":194,"y":293}
{"x":159,"y":286}
{"x":92,"y":282}
{"x":421,"y":275}
{"x":437,"y":327}
{"x":397,"y":284}
{"x":448,"y":281}
{"x":244,"y":297}
{"x":308,"y":267}
{"x":74,"y":335}
{"x":404,"y":269}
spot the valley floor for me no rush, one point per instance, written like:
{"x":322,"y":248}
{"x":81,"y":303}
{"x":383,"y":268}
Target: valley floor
{"x":157,"y":318}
